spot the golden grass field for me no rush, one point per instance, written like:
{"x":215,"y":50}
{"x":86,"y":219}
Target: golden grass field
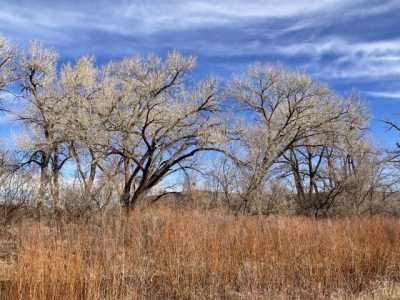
{"x":188,"y":254}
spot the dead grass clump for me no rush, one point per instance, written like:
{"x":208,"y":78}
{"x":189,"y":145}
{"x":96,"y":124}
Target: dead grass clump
{"x":178,"y":254}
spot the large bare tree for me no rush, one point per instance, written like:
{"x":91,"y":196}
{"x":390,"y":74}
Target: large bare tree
{"x":41,"y":109}
{"x":283,"y":109}
{"x":157,"y":120}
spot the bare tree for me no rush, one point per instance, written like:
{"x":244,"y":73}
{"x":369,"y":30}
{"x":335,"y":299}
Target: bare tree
{"x":86,"y":89}
{"x":373,"y":185}
{"x":282,"y":110}
{"x":42,"y":111}
{"x":222,"y":182}
{"x":322,"y":165}
{"x":16,"y":188}
{"x":156,"y":122}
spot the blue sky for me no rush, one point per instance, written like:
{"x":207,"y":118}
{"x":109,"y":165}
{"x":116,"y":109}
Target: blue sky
{"x":349,"y":44}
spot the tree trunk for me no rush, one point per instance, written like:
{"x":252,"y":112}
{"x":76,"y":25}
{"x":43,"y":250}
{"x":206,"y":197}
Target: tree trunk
{"x":55,"y":189}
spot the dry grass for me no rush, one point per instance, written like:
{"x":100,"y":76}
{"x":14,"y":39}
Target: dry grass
{"x":177,"y":254}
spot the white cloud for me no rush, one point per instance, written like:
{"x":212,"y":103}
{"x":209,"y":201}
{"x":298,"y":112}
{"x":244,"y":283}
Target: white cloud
{"x":351,"y":59}
{"x":161,"y":15}
{"x":389,"y":95}
{"x":383,"y":49}
{"x":348,"y":59}
{"x":373,"y":59}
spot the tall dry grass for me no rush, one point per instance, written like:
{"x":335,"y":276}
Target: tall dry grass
{"x":177,"y":254}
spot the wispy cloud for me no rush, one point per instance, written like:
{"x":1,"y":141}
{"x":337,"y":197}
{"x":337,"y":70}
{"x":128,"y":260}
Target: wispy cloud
{"x":331,"y":38}
{"x":350,"y":59}
{"x":389,"y":95}
{"x":144,"y":17}
{"x":154,"y":16}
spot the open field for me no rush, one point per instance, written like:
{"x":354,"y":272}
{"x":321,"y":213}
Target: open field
{"x":199,"y":149}
{"x":188,"y":254}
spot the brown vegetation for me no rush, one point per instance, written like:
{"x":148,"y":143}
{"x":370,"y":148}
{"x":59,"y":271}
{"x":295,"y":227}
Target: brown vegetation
{"x":188,"y":254}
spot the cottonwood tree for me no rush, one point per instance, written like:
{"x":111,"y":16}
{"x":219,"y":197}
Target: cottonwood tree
{"x":322,"y":165}
{"x":394,"y":153}
{"x":282,"y":109}
{"x":41,"y":110}
{"x":156,"y":120}
{"x":372,"y":184}
{"x":86,"y":89}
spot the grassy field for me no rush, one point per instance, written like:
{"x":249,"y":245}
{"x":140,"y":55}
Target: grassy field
{"x":188,"y":254}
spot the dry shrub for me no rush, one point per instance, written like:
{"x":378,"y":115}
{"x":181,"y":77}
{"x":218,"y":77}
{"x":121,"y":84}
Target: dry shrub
{"x":181,"y":254}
